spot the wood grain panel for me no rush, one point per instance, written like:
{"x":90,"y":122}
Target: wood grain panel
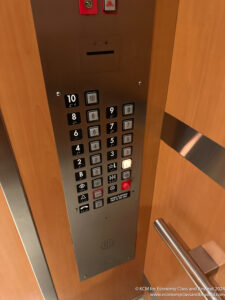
{"x":197,"y":84}
{"x":26,"y":114}
{"x":193,"y":205}
{"x":17,"y":279}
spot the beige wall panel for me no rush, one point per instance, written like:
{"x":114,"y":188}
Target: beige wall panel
{"x":194,"y":206}
{"x":197,"y":83}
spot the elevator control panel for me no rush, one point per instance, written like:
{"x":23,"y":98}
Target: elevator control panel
{"x":95,"y":57}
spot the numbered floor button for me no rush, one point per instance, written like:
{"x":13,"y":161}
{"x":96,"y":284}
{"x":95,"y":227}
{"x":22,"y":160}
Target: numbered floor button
{"x":111,"y":127}
{"x":97,"y":183}
{"x":126,"y":164}
{"x":83,"y":198}
{"x":94,"y":146}
{"x":97,"y":171}
{"x":128,"y":109}
{"x":128,"y":124}
{"x":93,"y":131}
{"x":96,"y":159}
{"x":112,"y":189}
{"x":126,"y":174}
{"x":112,"y":178}
{"x":76,"y":134}
{"x":127,"y":138}
{"x":74,"y":118}
{"x":112,"y":167}
{"x":112,"y":142}
{"x":97,"y":194}
{"x":93,"y":115}
{"x":126,"y":151}
{"x":98,"y":204}
{"x":111,"y":112}
{"x":79,"y":163}
{"x":80,"y":175}
{"x":82,"y":187}
{"x":84,"y":208}
{"x":91,"y":97}
{"x":112,"y":154}
{"x":78,"y":149}
{"x":71,"y":100}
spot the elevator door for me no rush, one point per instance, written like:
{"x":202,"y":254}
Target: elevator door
{"x":189,"y":189}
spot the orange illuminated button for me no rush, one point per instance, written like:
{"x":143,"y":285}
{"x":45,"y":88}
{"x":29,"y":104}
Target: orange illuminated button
{"x":125,"y":185}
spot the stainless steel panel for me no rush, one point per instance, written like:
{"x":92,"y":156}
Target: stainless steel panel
{"x":16,"y":199}
{"x":204,"y":153}
{"x":68,"y":44}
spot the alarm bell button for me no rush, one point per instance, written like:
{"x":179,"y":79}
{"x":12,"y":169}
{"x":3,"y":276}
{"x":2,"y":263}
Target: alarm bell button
{"x":125,"y":185}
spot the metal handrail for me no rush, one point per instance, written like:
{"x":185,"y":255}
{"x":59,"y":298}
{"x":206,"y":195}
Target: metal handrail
{"x":187,"y":262}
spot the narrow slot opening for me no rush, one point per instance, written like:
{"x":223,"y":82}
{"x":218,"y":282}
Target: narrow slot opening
{"x":100,"y":52}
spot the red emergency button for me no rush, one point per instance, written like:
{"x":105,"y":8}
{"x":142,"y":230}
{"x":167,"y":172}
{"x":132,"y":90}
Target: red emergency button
{"x":125,"y":185}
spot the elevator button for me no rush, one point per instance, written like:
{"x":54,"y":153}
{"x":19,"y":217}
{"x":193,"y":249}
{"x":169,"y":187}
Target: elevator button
{"x":112,"y":142}
{"x":82,"y":187}
{"x":126,"y":151}
{"x":71,"y":100}
{"x":97,"y":182}
{"x":76,"y":134}
{"x":74,"y":118}
{"x":93,"y":115}
{"x":84,"y":208}
{"x":91,"y":97}
{"x":93,"y":131}
{"x":112,"y":167}
{"x":126,"y":174}
{"x":127,"y":138}
{"x":112,"y":127}
{"x":98,"y":194}
{"x":128,"y":124}
{"x":78,"y":149}
{"x":94,"y":146}
{"x":112,"y":178}
{"x":111,"y":112}
{"x":79,"y":163}
{"x":126,"y":164}
{"x":98,"y":204}
{"x":112,"y":189}
{"x":96,"y":171}
{"x":83,"y":198}
{"x":128,"y":109}
{"x":112,"y":154}
{"x":80,"y":175}
{"x":109,"y":5}
{"x":126,"y":185}
{"x":96,"y":159}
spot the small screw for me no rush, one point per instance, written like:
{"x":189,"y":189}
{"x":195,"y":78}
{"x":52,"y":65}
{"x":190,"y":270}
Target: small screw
{"x":58,"y":94}
{"x":140,"y":83}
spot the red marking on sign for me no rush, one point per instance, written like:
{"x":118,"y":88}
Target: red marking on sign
{"x":109,"y":3}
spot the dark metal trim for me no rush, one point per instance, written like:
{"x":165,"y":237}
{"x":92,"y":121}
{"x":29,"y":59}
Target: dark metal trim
{"x":205,"y":154}
{"x":12,"y":187}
